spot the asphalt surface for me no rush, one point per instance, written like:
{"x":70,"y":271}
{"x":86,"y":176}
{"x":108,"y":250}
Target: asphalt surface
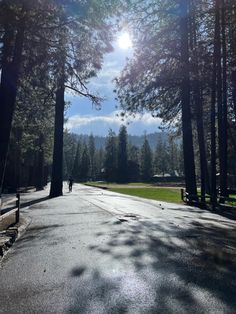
{"x":95,"y":251}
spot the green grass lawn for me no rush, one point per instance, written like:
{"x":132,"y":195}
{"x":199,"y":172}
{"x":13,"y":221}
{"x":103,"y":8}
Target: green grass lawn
{"x":160,"y":194}
{"x":119,"y":185}
{"x":145,"y":190}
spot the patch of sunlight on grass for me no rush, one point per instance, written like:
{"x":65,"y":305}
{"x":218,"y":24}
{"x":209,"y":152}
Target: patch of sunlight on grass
{"x":160,"y":194}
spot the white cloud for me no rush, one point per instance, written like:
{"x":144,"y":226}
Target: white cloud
{"x":112,"y":65}
{"x":78,"y":120}
{"x":102,"y":84}
{"x":99,"y":124}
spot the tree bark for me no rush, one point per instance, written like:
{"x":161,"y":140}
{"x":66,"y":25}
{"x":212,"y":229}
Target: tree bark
{"x":224,"y":165}
{"x":57,"y":167}
{"x":40,"y":164}
{"x":11,"y":62}
{"x":189,"y":165}
{"x":198,"y":107}
{"x":213,"y":116}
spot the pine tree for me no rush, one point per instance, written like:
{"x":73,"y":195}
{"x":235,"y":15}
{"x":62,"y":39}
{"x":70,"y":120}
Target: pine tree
{"x":110,"y":159}
{"x":10,"y":70}
{"x":133,"y":163}
{"x":99,"y":164}
{"x":91,"y":150}
{"x":161,"y":158}
{"x":76,"y":172}
{"x":70,"y":148}
{"x":122,"y":160}
{"x":78,"y":58}
{"x":84,"y":163}
{"x":146,"y":161}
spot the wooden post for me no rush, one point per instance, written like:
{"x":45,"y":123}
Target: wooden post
{"x":18,"y":207}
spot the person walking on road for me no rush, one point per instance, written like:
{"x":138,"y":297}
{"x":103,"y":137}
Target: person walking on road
{"x":70,"y":183}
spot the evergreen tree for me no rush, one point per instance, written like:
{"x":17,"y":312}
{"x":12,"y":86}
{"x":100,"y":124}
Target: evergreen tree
{"x":122,"y":160}
{"x":76,"y":172}
{"x":161,"y":158}
{"x":78,"y":57}
{"x":172,"y":156}
{"x":14,"y":25}
{"x":146,"y":161}
{"x":110,"y":159}
{"x":23,"y":25}
{"x":99,"y":164}
{"x":84,"y":163}
{"x":92,"y":150}
{"x":133,"y":163}
{"x":70,"y":148}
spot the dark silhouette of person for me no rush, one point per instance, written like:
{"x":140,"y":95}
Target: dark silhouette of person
{"x":70,"y":184}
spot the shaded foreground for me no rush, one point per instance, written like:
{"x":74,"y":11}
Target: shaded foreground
{"x":94,"y":251}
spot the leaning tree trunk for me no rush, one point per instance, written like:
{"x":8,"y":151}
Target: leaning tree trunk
{"x":189,"y":165}
{"x":8,"y":86}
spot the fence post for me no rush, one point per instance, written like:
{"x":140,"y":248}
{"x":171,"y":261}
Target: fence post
{"x":182,"y":194}
{"x":18,"y":207}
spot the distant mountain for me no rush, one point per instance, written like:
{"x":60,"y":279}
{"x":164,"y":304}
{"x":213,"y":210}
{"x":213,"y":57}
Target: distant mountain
{"x":133,"y":139}
{"x":152,"y":139}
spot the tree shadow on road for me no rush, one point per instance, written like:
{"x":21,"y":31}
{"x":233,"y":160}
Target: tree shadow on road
{"x":163,"y":268}
{"x":38,"y":234}
{"x":34,"y":202}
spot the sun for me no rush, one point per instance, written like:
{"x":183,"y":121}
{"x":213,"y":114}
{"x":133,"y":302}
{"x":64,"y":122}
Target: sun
{"x":124,"y":41}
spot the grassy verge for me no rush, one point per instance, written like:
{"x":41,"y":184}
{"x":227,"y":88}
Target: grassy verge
{"x":160,"y":194}
{"x":145,"y":190}
{"x":108,"y":185}
{"x":149,"y":191}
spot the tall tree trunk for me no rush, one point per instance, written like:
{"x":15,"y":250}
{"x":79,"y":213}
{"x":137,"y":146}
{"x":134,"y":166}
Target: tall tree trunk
{"x":232,"y":37}
{"x":224,"y":165}
{"x":198,"y":102}
{"x":40,"y":164}
{"x":221,"y":98}
{"x":213,"y":116}
{"x":45,"y":175}
{"x":233,"y":79}
{"x":18,"y":138}
{"x":219,"y":84}
{"x":57,"y":166}
{"x":11,"y":62}
{"x":201,"y":141}
{"x":189,"y":165}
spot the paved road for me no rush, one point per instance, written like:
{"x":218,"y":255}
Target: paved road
{"x":94,"y":251}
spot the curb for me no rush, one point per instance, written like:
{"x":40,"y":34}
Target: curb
{"x":9,"y":236}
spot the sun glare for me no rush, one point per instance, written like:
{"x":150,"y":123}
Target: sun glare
{"x":124,"y":41}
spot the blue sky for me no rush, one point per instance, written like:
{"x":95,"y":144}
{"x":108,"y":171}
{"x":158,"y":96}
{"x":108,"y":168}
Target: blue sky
{"x":84,"y":119}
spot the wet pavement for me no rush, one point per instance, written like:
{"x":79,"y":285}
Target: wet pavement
{"x":95,"y":251}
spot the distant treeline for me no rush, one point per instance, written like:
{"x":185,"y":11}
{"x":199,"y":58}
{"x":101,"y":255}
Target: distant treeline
{"x":121,"y":158}
{"x":137,"y":140}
